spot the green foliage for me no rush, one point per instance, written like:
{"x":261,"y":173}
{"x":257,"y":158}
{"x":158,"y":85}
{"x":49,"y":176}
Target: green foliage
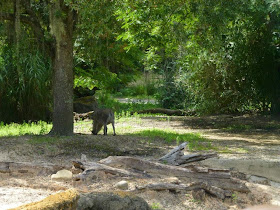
{"x":143,"y":86}
{"x":211,"y":56}
{"x":25,"y":93}
{"x":235,"y":67}
{"x":98,"y":77}
{"x":216,"y":56}
{"x":105,"y":100}
{"x":234,"y":197}
{"x":25,"y":86}
{"x":99,"y":54}
{"x":14,"y":129}
{"x":160,"y":37}
{"x":155,"y":206}
{"x":171,"y":90}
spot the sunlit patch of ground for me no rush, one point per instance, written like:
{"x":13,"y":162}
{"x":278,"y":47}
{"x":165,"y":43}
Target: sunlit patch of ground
{"x":232,"y":136}
{"x":12,"y":197}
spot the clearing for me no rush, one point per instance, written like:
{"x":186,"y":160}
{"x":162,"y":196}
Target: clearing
{"x":246,"y":144}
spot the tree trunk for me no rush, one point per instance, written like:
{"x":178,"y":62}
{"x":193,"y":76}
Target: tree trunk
{"x":61,"y":24}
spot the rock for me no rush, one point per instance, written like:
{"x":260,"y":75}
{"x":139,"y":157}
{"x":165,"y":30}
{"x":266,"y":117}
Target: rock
{"x":173,"y":180}
{"x":275,"y":184}
{"x":62,"y":175}
{"x":122,"y":185}
{"x":4,"y":167}
{"x":111,"y":201}
{"x":199,"y":194}
{"x":258,"y":180}
{"x":83,"y":158}
{"x":63,"y":200}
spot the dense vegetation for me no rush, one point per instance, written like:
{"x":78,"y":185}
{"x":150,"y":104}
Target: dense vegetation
{"x":208,"y":56}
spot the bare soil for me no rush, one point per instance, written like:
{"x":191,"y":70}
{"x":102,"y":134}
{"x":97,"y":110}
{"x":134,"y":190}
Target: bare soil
{"x":240,"y":136}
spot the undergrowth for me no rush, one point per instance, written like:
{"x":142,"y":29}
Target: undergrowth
{"x":15,"y":129}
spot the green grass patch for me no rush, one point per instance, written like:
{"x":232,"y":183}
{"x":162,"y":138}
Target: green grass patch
{"x":195,"y":140}
{"x":15,"y":129}
{"x":44,"y":140}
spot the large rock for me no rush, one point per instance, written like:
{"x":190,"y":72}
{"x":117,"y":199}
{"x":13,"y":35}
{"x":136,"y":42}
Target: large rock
{"x":62,"y":175}
{"x":111,"y":201}
{"x":63,"y":200}
{"x":122,"y":185}
{"x":85,"y":104}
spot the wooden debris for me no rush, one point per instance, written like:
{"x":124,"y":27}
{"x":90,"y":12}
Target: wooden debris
{"x":92,"y":167}
{"x":28,"y":169}
{"x":168,"y":112}
{"x":78,"y":165}
{"x":218,"y":192}
{"x":83,"y":116}
{"x":199,"y":194}
{"x":176,"y":156}
{"x":219,"y":178}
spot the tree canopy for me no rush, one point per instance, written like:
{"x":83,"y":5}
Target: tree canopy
{"x":211,"y":56}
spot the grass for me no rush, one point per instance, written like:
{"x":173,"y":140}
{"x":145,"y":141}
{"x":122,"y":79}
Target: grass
{"x":14,"y":129}
{"x":155,"y":206}
{"x":130,"y":125}
{"x":195,"y":140}
{"x":44,"y":140}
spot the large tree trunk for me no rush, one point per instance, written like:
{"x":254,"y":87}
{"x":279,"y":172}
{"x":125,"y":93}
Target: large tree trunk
{"x":61,"y":24}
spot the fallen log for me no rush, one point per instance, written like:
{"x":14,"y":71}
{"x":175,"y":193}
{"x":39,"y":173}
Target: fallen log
{"x":92,"y":167}
{"x":176,"y":156}
{"x":218,"y":192}
{"x":83,"y":116}
{"x":28,"y":169}
{"x":168,"y":112}
{"x":218,"y":178}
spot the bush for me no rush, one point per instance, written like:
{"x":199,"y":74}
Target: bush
{"x":25,"y":93}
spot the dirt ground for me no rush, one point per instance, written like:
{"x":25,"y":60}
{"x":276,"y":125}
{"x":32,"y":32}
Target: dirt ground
{"x":235,"y":136}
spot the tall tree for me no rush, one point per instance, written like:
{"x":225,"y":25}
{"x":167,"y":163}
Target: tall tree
{"x":61,"y":26}
{"x":52,"y":23}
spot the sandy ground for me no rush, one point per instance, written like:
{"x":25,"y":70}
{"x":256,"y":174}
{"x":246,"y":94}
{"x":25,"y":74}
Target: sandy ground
{"x":244,"y":136}
{"x":12,"y":197}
